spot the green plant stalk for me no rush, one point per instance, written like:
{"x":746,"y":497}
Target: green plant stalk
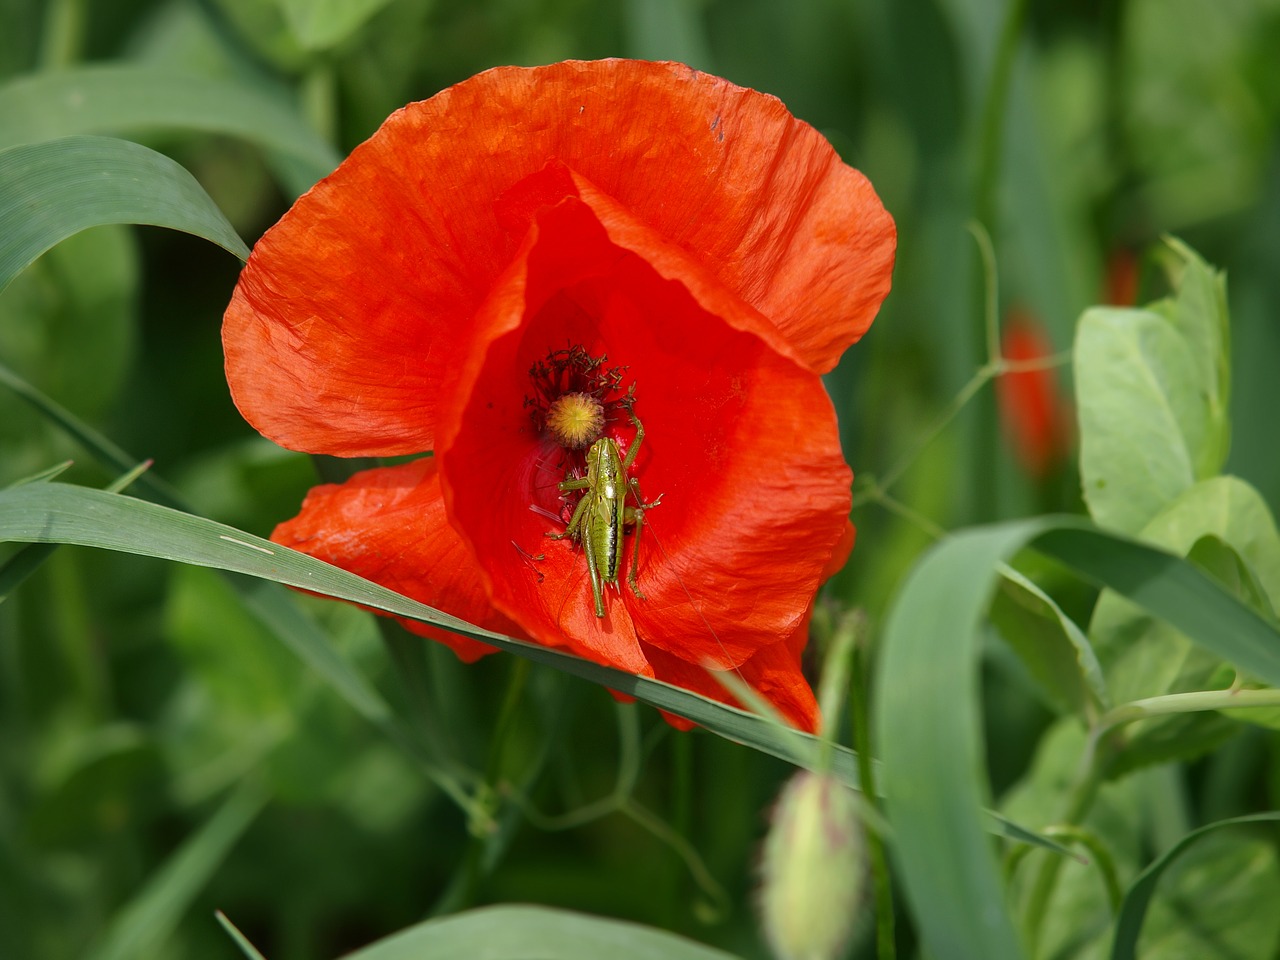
{"x":62,"y":39}
{"x":1083,"y":792}
{"x":990,"y":145}
{"x":1100,"y":856}
{"x":881,"y":881}
{"x":1199,"y":701}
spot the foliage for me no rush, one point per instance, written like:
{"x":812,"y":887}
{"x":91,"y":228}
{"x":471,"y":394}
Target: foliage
{"x":1073,"y":719}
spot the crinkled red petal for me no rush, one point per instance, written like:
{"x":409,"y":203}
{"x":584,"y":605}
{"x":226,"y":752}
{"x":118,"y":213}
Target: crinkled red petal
{"x":773,"y":672}
{"x":741,"y":444}
{"x":351,"y":314}
{"x":389,"y":526}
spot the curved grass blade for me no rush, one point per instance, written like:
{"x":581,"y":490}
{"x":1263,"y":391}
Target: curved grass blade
{"x":927,"y":722}
{"x":240,"y":940}
{"x":1171,"y":588}
{"x":124,"y":98}
{"x":1134,"y":908}
{"x":517,"y":932}
{"x":143,"y":924}
{"x":51,"y":190}
{"x":59,"y":513}
{"x":28,"y":560}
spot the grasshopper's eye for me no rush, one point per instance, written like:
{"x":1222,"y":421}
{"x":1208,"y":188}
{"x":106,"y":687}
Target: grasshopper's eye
{"x":575,"y":420}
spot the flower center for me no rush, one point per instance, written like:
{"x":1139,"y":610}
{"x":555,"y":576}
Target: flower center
{"x":575,"y":420}
{"x":571,"y":395}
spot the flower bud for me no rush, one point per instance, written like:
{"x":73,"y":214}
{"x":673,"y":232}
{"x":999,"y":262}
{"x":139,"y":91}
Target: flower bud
{"x":812,"y":869}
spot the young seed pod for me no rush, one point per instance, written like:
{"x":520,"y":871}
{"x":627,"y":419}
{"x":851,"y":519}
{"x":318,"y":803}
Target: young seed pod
{"x":812,"y":870}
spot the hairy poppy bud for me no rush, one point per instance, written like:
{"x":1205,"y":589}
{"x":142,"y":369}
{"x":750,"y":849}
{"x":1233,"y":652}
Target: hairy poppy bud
{"x":812,"y":870}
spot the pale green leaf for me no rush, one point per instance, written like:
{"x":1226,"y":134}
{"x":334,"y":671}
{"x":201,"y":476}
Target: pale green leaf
{"x":321,"y":24}
{"x":1216,"y":931}
{"x":523,"y":932}
{"x":130,"y":99}
{"x":50,"y":191}
{"x":1143,"y":419}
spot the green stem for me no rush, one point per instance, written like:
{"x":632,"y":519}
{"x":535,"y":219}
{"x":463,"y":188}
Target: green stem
{"x":1197,"y":702}
{"x":990,"y":147}
{"x":881,"y":882}
{"x":958,"y":402}
{"x":63,"y":36}
{"x":1079,"y":800}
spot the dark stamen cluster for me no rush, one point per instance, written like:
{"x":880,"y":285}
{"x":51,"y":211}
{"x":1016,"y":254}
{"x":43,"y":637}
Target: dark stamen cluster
{"x":571,"y":369}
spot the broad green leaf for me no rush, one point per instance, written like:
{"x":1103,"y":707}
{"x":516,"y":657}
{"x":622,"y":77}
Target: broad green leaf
{"x":1119,"y":817}
{"x":144,"y":923}
{"x":50,"y":191}
{"x":927,"y":704}
{"x":123,"y":99}
{"x":1225,"y":906}
{"x":1199,"y":311}
{"x":321,"y":24}
{"x":521,"y":932}
{"x":1221,"y":561}
{"x":1144,"y":422}
{"x":1054,"y":650}
{"x":1145,"y":658}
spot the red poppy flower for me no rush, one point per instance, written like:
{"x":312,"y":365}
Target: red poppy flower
{"x":1035,"y":418}
{"x":477,"y":260}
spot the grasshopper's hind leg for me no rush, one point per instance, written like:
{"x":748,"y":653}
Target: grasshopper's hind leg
{"x":635,"y":515}
{"x":597,"y":588}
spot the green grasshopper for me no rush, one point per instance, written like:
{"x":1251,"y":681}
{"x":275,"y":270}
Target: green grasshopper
{"x":600,"y":516}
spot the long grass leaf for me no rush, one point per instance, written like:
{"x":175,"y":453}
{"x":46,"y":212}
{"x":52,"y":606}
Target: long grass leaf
{"x":52,"y":190}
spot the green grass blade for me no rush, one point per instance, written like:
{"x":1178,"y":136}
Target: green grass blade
{"x":1134,"y":908}
{"x":518,"y":932}
{"x":1172,"y":589}
{"x":59,"y":513}
{"x":99,"y":446}
{"x":145,"y":922}
{"x":240,"y":940}
{"x":120,"y":99}
{"x":52,"y":190}
{"x":27,"y":561}
{"x":927,"y":722}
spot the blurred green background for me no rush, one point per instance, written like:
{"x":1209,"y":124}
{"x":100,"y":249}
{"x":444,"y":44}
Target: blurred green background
{"x":135,"y":696}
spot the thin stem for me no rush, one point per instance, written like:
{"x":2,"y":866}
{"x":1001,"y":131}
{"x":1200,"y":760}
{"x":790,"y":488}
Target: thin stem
{"x":881,"y":882}
{"x":958,"y":402}
{"x":990,"y":290}
{"x":63,"y":37}
{"x":1173,"y":703}
{"x":1079,"y":800}
{"x":990,"y":148}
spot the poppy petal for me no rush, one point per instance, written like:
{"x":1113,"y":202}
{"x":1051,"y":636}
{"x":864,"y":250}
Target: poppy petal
{"x":773,"y":672}
{"x":741,"y":443}
{"x":388,"y":525}
{"x":348,"y":319}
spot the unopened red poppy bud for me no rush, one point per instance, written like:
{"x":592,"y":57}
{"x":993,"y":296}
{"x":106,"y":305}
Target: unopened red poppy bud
{"x":812,"y":870}
{"x":575,"y":420}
